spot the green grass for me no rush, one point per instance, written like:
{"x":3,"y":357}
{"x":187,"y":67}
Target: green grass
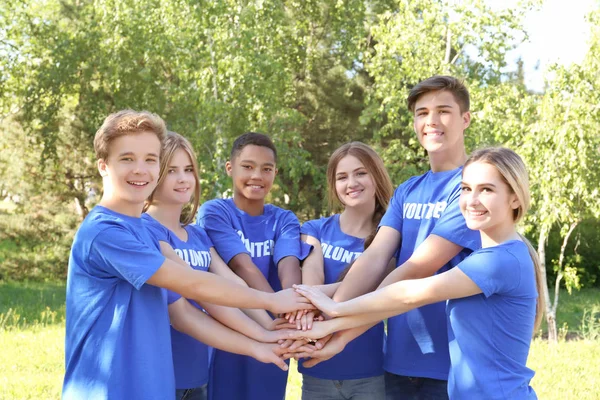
{"x":32,"y":342}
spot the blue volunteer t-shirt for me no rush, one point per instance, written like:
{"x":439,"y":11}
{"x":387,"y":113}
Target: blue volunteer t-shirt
{"x":117,"y":333}
{"x":417,"y":343}
{"x":190,"y":357}
{"x":267,"y":238}
{"x":362,"y":357}
{"x":490,"y":333}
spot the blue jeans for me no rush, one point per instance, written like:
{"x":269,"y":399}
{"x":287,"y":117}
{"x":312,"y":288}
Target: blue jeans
{"x":398,"y":387}
{"x":350,"y":389}
{"x":199,"y":393}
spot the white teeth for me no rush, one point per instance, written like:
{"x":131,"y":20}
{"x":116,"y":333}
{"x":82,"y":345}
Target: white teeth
{"x":138,"y":183}
{"x":477,"y":213}
{"x":256,"y":187}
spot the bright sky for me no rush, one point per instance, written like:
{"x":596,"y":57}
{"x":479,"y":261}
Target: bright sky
{"x":558,"y":33}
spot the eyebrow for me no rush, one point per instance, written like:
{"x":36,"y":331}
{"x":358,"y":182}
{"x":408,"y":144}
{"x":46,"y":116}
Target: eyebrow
{"x":131,"y":153}
{"x":356,"y":169}
{"x":438,"y":107}
{"x":480,"y":184}
{"x":268,"y":164}
{"x":185,"y":166}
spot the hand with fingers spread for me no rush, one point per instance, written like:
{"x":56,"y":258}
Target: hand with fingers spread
{"x":319,"y":299}
{"x":288,"y":300}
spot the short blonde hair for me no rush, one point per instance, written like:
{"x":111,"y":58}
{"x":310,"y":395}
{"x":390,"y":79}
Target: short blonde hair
{"x":127,"y":122}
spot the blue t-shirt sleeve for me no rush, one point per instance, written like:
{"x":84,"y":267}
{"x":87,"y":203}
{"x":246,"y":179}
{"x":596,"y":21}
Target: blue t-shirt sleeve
{"x":158,"y":232}
{"x":217,"y":223}
{"x":493,"y":270}
{"x":312,"y":228}
{"x":287,"y":238}
{"x":393,"y":216}
{"x":452,"y":226}
{"x":116,"y":252}
{"x":172,"y":297}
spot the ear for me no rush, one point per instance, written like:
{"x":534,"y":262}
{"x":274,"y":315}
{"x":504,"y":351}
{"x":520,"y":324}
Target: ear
{"x":514,"y":202}
{"x":466,"y":119}
{"x":102,"y":167}
{"x":276,"y":171}
{"x":228,"y":167}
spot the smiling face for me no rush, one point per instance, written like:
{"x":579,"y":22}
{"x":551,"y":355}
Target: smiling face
{"x":253,"y":172}
{"x":179,"y":181}
{"x":440,"y":124}
{"x":354,"y":184}
{"x":130,"y":172}
{"x":486,"y":201}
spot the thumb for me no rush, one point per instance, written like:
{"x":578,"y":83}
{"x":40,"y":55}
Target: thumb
{"x":280,"y":363}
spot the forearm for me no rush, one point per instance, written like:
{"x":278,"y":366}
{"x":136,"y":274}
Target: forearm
{"x":259,"y":316}
{"x":393,"y":299}
{"x":236,"y":320}
{"x":210,"y":288}
{"x":209,"y":331}
{"x":352,"y":326}
{"x":313,"y":271}
{"x":289,"y":272}
{"x":364,"y":276}
{"x":244,"y":267}
{"x":329,"y":289}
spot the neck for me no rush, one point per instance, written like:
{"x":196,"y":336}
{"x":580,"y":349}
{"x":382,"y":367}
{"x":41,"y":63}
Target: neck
{"x":357,"y":221}
{"x":122,"y":207}
{"x":499,"y":235}
{"x":250,"y":207}
{"x":167,"y":214}
{"x":448,"y":160}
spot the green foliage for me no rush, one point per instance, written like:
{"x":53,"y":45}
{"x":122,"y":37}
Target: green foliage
{"x":36,"y":245}
{"x":311,"y":74}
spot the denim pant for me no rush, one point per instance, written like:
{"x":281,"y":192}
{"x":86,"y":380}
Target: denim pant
{"x":398,"y":387}
{"x":350,"y":389}
{"x":199,"y":393}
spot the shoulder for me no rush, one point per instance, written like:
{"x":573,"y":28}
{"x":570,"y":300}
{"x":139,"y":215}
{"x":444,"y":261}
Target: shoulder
{"x":315,"y":225}
{"x":506,"y":257}
{"x":279,"y":213}
{"x":215,"y":206}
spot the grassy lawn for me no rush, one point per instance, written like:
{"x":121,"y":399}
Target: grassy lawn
{"x":32,"y":343}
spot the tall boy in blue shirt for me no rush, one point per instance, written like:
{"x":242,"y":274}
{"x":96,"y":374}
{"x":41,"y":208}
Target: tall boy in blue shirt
{"x":117,"y":342}
{"x":261,"y":243}
{"x":424,"y":225}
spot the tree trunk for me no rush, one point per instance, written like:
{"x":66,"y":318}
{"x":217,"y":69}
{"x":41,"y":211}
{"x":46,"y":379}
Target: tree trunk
{"x":552,"y":332}
{"x":550,"y":316}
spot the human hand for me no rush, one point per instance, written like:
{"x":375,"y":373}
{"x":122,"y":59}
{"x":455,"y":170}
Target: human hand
{"x":318,"y":330}
{"x":318,"y":299}
{"x":291,"y":346}
{"x":307,"y":319}
{"x":281,"y":323}
{"x":332,"y":347}
{"x":269,"y":353}
{"x":288,"y":300}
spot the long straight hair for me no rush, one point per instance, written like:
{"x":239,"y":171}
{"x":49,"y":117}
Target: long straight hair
{"x":173,"y":142}
{"x":374,"y":165}
{"x":514,"y":173}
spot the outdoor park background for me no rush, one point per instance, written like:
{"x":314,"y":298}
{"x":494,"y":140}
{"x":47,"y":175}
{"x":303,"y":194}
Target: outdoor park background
{"x":313,"y":75}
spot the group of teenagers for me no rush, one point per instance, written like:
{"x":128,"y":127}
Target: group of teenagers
{"x":170,"y":299}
